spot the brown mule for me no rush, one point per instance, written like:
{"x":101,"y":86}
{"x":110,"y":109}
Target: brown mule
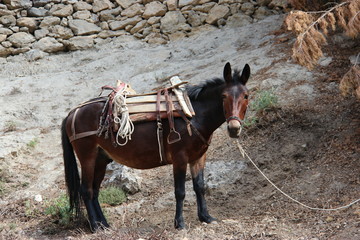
{"x":214,"y":102}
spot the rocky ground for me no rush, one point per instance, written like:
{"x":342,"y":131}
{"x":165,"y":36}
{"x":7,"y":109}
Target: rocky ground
{"x":308,"y":145}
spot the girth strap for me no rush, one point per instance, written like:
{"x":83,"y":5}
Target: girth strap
{"x":159,"y":131}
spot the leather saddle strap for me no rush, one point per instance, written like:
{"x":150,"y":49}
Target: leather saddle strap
{"x":159,"y":131}
{"x":188,"y":123}
{"x":75,"y":135}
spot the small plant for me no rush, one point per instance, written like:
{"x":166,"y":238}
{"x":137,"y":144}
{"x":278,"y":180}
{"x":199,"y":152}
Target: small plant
{"x":112,"y":196}
{"x":264,"y":101}
{"x":60,"y":210}
{"x":32,"y":143}
{"x":10,"y":126}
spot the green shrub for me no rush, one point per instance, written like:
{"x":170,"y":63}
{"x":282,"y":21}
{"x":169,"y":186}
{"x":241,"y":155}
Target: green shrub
{"x":59,"y":209}
{"x":112,"y":196}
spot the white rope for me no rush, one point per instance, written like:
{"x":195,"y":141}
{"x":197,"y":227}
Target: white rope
{"x":122,"y":117}
{"x":243,"y":153}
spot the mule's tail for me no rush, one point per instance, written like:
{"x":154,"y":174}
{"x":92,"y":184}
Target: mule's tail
{"x":72,"y":177}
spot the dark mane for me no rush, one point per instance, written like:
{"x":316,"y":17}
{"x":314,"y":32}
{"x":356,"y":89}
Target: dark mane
{"x":206,"y":89}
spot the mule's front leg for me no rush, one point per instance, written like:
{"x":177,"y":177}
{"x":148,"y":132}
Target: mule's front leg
{"x":179,"y":182}
{"x":197,"y":173}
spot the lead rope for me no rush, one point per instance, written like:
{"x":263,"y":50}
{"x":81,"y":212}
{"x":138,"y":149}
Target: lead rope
{"x":122,"y":117}
{"x":243,"y":153}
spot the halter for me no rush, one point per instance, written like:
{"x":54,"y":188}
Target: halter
{"x":234,"y":118}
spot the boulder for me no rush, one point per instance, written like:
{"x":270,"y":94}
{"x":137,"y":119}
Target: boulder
{"x":28,"y":22}
{"x":183,"y":3}
{"x":58,"y":31}
{"x":49,"y":21}
{"x":118,"y":25}
{"x":36,"y":12}
{"x":4,"y":12}
{"x":21,"y":39}
{"x":100,"y":5}
{"x":172,"y":4}
{"x":248,"y":8}
{"x":140,"y":25}
{"x":35,"y":54}
{"x":174,"y":21}
{"x":40,"y":33}
{"x":15,"y":4}
{"x":125,"y":3}
{"x":262,"y":12}
{"x":83,"y":14}
{"x":82,"y":6}
{"x":216,"y":13}
{"x":8,"y":20}
{"x":154,"y":9}
{"x":62,"y":10}
{"x":133,"y":10}
{"x":2,"y":37}
{"x":239,"y":20}
{"x":49,"y":45}
{"x":79,"y":43}
{"x":205,"y":8}
{"x":4,"y":52}
{"x":5,"y":31}
{"x":81,"y":27}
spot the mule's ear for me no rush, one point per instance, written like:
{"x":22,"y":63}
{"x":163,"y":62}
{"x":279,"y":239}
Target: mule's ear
{"x":245,"y":74}
{"x":227,"y":73}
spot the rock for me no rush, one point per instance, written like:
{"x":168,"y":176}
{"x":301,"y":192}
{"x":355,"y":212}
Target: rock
{"x":279,"y":4}
{"x":2,"y":37}
{"x":194,"y":19}
{"x":63,"y":11}
{"x":28,"y":22}
{"x":216,"y":13}
{"x":38,"y":198}
{"x":81,"y":27}
{"x":140,"y":25}
{"x":183,"y":3}
{"x":15,"y":4}
{"x":82,"y":6}
{"x":155,"y":38}
{"x":172,"y":5}
{"x":153,"y":20}
{"x":40,"y":3}
{"x":118,"y":25}
{"x":262,"y":12}
{"x":4,"y":52}
{"x":174,"y":21}
{"x":79,"y":43}
{"x":248,"y":8}
{"x":36,"y":12}
{"x":125,"y":3}
{"x":205,"y":8}
{"x":58,"y":31}
{"x":133,"y":10}
{"x":126,"y":177}
{"x":4,"y":12}
{"x":109,"y":34}
{"x":8,"y":20}
{"x":49,"y":45}
{"x":21,"y":39}
{"x":110,"y":14}
{"x":239,"y":20}
{"x":5,"y":31}
{"x":154,"y":9}
{"x":35,"y":54}
{"x":84,"y":14}
{"x":40,"y":33}
{"x":100,"y":5}
{"x":49,"y":21}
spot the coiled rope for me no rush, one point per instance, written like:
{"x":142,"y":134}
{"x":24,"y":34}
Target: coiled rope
{"x":243,"y":153}
{"x":122,"y":117}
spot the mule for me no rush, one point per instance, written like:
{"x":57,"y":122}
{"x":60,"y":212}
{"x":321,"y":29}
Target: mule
{"x":215,"y":101}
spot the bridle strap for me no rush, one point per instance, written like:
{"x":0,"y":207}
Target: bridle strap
{"x":233,"y":118}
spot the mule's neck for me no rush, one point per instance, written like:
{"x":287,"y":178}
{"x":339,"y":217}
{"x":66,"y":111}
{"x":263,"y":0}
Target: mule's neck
{"x":209,"y":115}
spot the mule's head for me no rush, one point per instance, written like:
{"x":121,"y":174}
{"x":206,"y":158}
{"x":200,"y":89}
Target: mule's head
{"x":235,"y":98}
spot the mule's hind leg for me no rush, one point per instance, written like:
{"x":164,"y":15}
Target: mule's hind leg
{"x":87,"y":153}
{"x":197,"y":173}
{"x":102,"y":161}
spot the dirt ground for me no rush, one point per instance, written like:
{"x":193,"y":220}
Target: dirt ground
{"x":309,"y":145}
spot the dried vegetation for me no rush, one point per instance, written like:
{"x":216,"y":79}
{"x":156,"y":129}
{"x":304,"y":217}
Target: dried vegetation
{"x":312,"y":28}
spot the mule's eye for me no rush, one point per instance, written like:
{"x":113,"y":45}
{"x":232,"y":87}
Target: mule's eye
{"x":223,"y":96}
{"x":246,"y":97}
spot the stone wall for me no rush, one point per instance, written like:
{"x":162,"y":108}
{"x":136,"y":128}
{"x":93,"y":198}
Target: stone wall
{"x":48,"y":26}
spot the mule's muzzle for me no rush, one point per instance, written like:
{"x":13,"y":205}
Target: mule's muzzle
{"x":234,"y":127}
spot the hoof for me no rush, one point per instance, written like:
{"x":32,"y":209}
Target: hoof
{"x":207,"y":219}
{"x":179,"y":224}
